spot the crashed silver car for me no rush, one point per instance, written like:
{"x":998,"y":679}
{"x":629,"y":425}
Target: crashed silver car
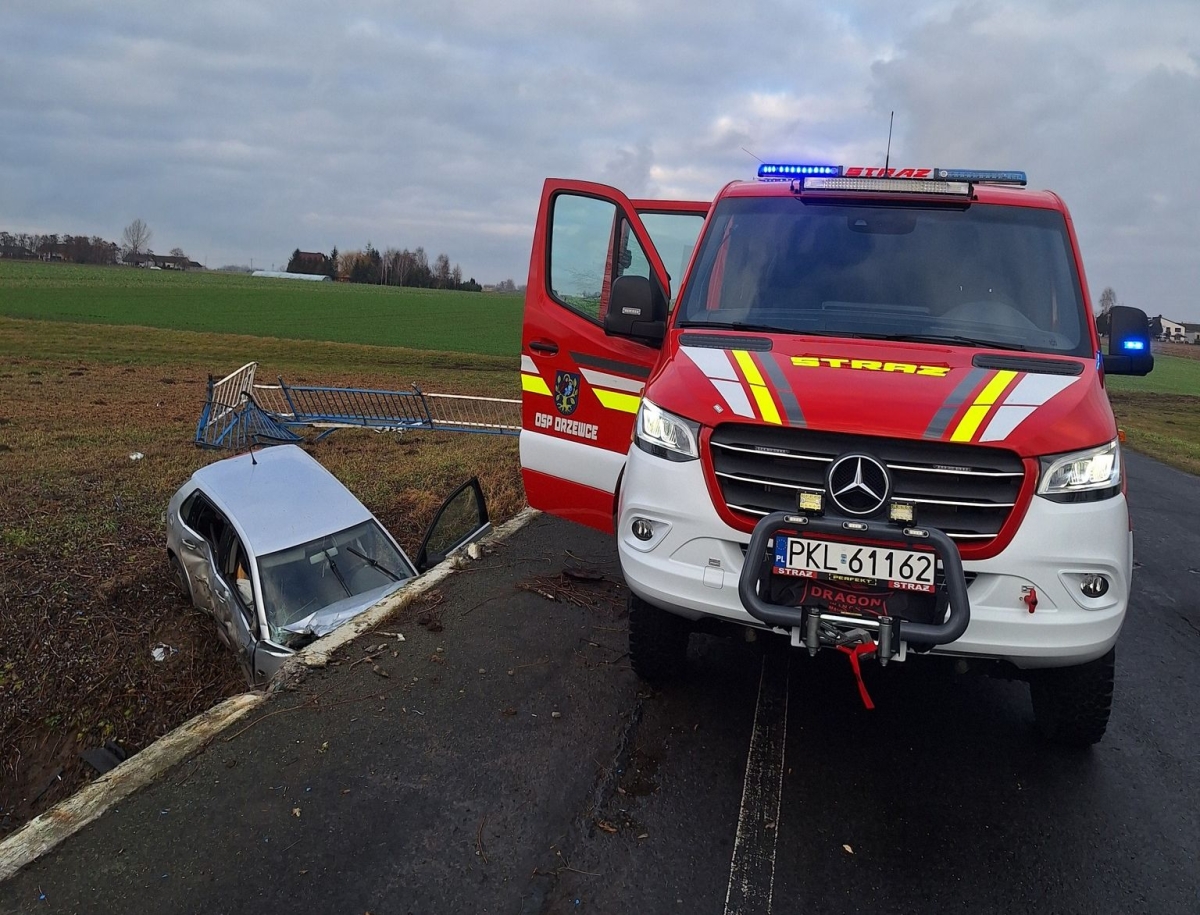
{"x":279,"y":552}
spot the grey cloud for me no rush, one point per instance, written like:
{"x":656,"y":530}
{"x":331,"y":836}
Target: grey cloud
{"x":249,"y":128}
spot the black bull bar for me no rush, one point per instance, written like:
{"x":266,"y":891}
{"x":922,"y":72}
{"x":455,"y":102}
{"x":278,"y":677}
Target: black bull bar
{"x":891,"y":631}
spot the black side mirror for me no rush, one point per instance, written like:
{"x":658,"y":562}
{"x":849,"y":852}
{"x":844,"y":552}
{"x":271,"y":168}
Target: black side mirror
{"x":637,"y":308}
{"x":462,"y":518}
{"x":1128,"y":342}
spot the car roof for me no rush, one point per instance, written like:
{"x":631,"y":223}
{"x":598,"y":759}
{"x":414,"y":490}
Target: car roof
{"x":279,"y":497}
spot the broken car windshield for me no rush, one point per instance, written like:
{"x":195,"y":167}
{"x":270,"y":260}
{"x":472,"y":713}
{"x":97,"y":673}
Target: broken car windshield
{"x":983,"y":275}
{"x":302,"y":580}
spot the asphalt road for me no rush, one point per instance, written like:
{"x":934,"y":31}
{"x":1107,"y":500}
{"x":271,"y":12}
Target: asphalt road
{"x":432,"y":780}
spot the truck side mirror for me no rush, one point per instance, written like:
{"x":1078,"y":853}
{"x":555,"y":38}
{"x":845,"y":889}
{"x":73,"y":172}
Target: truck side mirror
{"x":1128,"y":342}
{"x":637,"y":308}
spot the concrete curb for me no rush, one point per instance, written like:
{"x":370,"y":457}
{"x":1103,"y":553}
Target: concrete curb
{"x":66,"y":818}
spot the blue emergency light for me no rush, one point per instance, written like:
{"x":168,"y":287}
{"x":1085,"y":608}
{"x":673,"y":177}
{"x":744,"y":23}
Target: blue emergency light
{"x":981,"y":176}
{"x":1138,"y":345}
{"x":777,"y":170}
{"x":782,"y":171}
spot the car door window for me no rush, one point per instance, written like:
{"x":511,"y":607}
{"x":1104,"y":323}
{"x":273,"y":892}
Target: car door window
{"x":234,"y":566}
{"x":202,"y":517}
{"x":590,"y":245}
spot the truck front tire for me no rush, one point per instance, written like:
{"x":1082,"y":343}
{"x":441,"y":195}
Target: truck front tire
{"x":1071,"y":705}
{"x":658,"y":642}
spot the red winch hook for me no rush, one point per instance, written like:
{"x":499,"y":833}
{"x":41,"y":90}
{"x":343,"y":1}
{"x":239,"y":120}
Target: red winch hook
{"x":855,"y":653}
{"x":1030,"y":597}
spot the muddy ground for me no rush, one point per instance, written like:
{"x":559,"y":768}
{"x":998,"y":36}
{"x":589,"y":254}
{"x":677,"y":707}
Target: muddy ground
{"x":90,"y":453}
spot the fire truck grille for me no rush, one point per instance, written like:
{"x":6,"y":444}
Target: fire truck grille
{"x":964,"y":490}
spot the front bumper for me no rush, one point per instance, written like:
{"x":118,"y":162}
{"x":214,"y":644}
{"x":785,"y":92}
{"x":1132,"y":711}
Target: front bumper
{"x":692,"y":566}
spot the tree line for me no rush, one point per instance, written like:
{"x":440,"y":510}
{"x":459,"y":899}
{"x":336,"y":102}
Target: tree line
{"x":75,"y":249}
{"x":391,"y":267}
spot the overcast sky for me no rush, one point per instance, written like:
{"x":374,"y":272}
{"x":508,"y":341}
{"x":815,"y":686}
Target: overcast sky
{"x":246,"y":128}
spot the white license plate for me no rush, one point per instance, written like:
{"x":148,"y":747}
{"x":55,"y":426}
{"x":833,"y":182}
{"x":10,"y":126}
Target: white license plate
{"x":904,"y":570}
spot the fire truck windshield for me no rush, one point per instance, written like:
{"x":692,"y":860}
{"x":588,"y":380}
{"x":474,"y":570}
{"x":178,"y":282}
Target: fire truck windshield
{"x":984,"y":275}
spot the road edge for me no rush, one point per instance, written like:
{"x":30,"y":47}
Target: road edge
{"x":49,"y":829}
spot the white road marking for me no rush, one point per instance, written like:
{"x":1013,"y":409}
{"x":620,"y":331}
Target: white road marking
{"x":752,"y":870}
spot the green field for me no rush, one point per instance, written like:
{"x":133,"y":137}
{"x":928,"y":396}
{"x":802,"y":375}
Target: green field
{"x":1171,"y":375}
{"x":421,"y":319}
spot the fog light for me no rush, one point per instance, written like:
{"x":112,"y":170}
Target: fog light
{"x":901,"y":512}
{"x":809,"y":501}
{"x":642,"y":529}
{"x":1094,"y":586}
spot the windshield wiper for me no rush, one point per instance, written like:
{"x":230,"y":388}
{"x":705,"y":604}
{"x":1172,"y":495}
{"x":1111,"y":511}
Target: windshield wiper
{"x":946,"y":338}
{"x":337,"y":572}
{"x":374,"y":564}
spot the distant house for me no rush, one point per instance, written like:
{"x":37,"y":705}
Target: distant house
{"x":1191,"y":333}
{"x":54,"y":251}
{"x":161,"y":261}
{"x":1172,"y":331}
{"x":313,"y":262}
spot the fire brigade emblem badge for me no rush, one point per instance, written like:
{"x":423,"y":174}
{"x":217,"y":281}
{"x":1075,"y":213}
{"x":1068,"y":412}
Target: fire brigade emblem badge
{"x":566,"y":392}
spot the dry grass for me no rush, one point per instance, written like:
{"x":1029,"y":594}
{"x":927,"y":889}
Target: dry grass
{"x":84,"y":586}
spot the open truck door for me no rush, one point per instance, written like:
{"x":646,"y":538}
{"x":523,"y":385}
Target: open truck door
{"x":583,"y":363}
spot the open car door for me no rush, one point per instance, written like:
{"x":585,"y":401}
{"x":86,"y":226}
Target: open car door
{"x":581,"y":384}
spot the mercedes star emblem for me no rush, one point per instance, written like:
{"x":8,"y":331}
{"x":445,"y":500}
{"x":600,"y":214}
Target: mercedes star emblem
{"x":858,"y":484}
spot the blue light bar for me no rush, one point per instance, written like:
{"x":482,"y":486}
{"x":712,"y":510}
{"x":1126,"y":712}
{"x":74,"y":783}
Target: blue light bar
{"x":981,"y":176}
{"x":1133,"y":344}
{"x":778,"y":171}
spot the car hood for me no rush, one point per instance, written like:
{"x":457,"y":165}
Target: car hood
{"x":1029,"y":403}
{"x":329,"y":618}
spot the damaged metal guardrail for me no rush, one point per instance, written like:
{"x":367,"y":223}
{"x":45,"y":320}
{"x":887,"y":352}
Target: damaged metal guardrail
{"x":239,"y":412}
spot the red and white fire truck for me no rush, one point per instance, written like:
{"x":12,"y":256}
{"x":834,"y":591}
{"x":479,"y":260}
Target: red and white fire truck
{"x":861,"y":408}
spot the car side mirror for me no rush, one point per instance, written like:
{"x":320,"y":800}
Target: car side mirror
{"x":637,"y":308}
{"x":1128,"y":342}
{"x":462,"y":518}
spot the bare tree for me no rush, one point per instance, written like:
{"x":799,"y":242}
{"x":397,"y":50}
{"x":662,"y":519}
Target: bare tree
{"x":177,"y":252}
{"x":136,"y":237}
{"x":1108,"y":298}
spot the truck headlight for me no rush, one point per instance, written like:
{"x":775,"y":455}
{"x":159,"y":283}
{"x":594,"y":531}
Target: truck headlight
{"x":664,"y":434}
{"x":1082,"y":476}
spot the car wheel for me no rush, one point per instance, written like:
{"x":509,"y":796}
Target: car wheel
{"x":1071,"y":705}
{"x":658,"y":642}
{"x":180,"y":576}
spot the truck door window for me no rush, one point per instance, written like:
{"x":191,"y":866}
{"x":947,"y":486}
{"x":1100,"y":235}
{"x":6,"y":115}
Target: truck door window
{"x":674,"y":236}
{"x":590,"y":245}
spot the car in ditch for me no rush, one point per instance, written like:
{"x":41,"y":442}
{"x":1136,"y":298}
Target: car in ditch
{"x":279,"y":552}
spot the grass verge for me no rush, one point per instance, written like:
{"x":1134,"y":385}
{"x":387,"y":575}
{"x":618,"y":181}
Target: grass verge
{"x":85,"y":592}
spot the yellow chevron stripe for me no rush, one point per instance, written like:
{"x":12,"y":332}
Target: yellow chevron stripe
{"x":534,"y":384}
{"x":995,"y":387}
{"x":970,"y":422}
{"x":758,"y":387}
{"x":978,"y":411}
{"x":766,"y":406}
{"x":617,"y":400}
{"x":748,"y":367}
